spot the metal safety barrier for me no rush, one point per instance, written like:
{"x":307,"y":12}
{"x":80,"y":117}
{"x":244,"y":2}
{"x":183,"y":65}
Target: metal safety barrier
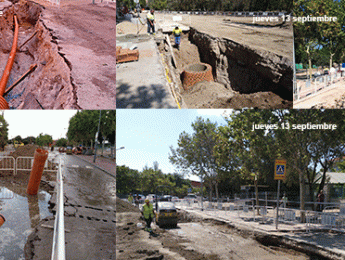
{"x":312,"y":86}
{"x":7,"y":163}
{"x":58,"y":249}
{"x":25,"y":164}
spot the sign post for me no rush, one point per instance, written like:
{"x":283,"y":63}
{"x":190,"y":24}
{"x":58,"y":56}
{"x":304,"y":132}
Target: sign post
{"x":279,"y":174}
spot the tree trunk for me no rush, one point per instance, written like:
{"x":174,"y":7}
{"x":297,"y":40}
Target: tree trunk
{"x":257,"y":196}
{"x":302,"y":196}
{"x":216,"y":187}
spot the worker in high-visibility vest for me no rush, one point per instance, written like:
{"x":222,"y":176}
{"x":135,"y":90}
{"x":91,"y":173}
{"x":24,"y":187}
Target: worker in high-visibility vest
{"x":177,"y":33}
{"x":148,"y":214}
{"x":151,"y":22}
{"x":130,"y":198}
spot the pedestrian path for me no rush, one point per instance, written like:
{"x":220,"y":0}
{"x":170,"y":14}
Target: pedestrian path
{"x":103,"y":163}
{"x":142,"y":83}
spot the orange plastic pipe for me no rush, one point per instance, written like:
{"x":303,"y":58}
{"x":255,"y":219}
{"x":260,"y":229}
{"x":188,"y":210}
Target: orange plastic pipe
{"x":36,"y":171}
{"x":2,"y":220}
{"x":8,"y":68}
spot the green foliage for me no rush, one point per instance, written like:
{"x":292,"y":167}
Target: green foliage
{"x":62,"y":142}
{"x":18,"y":138}
{"x":83,"y":126}
{"x":3,"y":132}
{"x":230,"y":5}
{"x":129,"y":3}
{"x":147,"y":180}
{"x":44,"y":140}
{"x":158,"y":4}
{"x":318,"y":42}
{"x":29,"y":140}
{"x":126,"y":180}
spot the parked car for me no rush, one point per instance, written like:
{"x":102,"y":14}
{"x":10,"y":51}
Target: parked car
{"x":166,"y":214}
{"x":166,"y":198}
{"x":69,"y":150}
{"x":151,"y":197}
{"x":191,"y":198}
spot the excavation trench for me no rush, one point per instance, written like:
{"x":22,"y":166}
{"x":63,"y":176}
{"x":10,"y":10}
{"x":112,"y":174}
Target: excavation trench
{"x":243,"y":77}
{"x":49,"y":86}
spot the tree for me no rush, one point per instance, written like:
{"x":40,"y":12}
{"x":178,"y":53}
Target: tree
{"x":3,"y":132}
{"x":29,"y":140}
{"x":44,"y":140}
{"x":195,"y":153}
{"x":83,"y":126}
{"x":126,"y":180}
{"x":62,"y":142}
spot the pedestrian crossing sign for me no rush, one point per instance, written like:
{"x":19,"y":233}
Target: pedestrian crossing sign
{"x":280,"y":169}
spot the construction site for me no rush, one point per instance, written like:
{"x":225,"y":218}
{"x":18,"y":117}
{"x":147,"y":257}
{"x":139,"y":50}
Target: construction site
{"x":224,"y":61}
{"x":43,"y":46}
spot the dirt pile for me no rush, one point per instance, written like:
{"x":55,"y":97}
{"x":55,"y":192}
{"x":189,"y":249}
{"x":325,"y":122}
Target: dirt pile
{"x":214,"y":95}
{"x":124,"y":206}
{"x":26,"y":151}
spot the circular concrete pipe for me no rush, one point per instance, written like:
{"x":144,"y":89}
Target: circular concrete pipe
{"x":195,"y":73}
{"x":2,"y":220}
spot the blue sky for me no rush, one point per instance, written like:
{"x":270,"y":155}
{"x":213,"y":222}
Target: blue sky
{"x":147,"y":134}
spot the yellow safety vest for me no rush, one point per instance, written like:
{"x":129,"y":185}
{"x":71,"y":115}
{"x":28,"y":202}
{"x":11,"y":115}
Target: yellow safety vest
{"x":148,"y":211}
{"x":130,"y":199}
{"x":177,"y":32}
{"x":151,"y":16}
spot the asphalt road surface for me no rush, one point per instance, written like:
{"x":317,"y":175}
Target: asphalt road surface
{"x":89,"y":214}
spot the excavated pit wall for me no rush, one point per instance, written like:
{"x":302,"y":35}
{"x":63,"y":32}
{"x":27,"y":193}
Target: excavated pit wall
{"x":243,"y":69}
{"x":50,"y":85}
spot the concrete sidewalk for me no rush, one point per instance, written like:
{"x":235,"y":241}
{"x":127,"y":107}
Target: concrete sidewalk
{"x":102,"y":163}
{"x":142,"y":83}
{"x":319,"y":242}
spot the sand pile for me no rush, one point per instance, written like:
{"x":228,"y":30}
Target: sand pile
{"x":124,"y":206}
{"x":127,"y":27}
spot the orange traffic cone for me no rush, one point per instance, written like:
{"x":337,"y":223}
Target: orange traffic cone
{"x":36,"y":171}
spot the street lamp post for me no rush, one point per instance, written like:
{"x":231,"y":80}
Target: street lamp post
{"x":99,"y":122}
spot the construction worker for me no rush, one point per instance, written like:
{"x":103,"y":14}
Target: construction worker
{"x":177,"y":33}
{"x":151,"y":22}
{"x":148,"y":214}
{"x":130,"y":198}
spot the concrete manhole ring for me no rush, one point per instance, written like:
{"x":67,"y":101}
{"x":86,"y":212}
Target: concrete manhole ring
{"x":195,"y":73}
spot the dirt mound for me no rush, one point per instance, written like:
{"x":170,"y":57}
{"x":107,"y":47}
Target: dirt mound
{"x":27,"y":150}
{"x":215,"y":95}
{"x":127,"y":27}
{"x":124,"y":206}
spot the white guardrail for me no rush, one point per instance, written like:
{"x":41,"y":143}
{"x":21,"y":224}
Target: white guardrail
{"x":331,"y":217}
{"x":58,"y":250}
{"x":306,"y":88}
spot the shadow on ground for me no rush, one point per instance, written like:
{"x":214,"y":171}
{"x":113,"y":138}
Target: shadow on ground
{"x":152,"y":96}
